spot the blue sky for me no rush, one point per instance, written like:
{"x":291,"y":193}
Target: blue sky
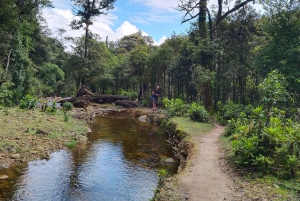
{"x":156,"y":18}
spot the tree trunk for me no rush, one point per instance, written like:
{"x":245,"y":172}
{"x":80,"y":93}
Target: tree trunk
{"x":205,"y":58}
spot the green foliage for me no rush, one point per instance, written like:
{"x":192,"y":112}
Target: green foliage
{"x":67,"y":106}
{"x":197,"y":112}
{"x":162,"y":174}
{"x":52,"y":109}
{"x":175,"y":107}
{"x":28,"y":102}
{"x":279,"y":48}
{"x":6,"y":94}
{"x":146,"y":102}
{"x":71,"y":144}
{"x":266,"y":139}
{"x":130,"y":94}
{"x":228,"y":111}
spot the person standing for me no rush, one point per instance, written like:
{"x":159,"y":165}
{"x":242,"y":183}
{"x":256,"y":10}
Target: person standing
{"x":155,"y":95}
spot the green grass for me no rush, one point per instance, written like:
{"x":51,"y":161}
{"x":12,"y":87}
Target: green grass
{"x":190,"y":127}
{"x":18,"y":125}
{"x":71,"y":144}
{"x":226,"y":143}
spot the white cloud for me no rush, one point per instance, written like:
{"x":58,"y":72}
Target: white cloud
{"x":161,"y":40}
{"x":59,"y":18}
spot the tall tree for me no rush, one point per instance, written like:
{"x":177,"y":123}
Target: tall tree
{"x":87,"y":10}
{"x":197,"y":9}
{"x":279,"y":42}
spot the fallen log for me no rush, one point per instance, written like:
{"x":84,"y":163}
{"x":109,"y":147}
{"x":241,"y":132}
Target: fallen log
{"x":127,"y":103}
{"x":96,"y":99}
{"x":83,"y":91}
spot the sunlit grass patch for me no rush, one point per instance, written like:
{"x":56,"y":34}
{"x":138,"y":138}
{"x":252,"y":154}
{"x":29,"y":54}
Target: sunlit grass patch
{"x":190,"y":127}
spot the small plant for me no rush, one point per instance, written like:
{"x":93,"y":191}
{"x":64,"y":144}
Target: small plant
{"x":52,"y":109}
{"x":198,"y":113}
{"x":66,"y":116}
{"x":71,"y":144}
{"x":5,"y":110}
{"x":67,"y":106}
{"x":146,"y":102}
{"x":28,"y":102}
{"x":162,"y":174}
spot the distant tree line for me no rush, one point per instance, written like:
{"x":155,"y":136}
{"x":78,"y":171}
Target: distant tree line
{"x":223,"y":57}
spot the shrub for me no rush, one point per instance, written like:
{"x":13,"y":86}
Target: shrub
{"x":266,"y":139}
{"x":67,"y":106}
{"x":175,"y":107}
{"x":28,"y":102}
{"x":130,"y":94}
{"x":146,"y":102}
{"x":52,"y":109}
{"x":198,"y":113}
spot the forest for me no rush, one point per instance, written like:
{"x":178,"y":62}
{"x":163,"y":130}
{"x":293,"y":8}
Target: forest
{"x":241,"y":65}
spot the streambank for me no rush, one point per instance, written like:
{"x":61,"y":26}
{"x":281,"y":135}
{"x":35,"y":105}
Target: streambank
{"x":27,"y":135}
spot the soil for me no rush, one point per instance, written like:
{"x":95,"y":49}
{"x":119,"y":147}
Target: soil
{"x":204,"y":178}
{"x":208,"y":177}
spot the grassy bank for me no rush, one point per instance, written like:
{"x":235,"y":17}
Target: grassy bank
{"x":31,"y":134}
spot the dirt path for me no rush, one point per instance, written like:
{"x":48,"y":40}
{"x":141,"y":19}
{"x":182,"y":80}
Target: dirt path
{"x":203,"y":178}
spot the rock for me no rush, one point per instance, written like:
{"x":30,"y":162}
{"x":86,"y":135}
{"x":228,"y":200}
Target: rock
{"x":38,"y":131}
{"x":175,"y":149}
{"x":169,"y":160}
{"x":81,"y":139}
{"x":89,"y":130}
{"x":40,"y":148}
{"x":33,"y":152}
{"x":11,"y":150}
{"x":2,"y":177}
{"x":4,"y":166}
{"x":15,"y":156}
{"x":143,"y":118}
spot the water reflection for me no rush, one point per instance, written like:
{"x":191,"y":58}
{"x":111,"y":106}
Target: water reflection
{"x":121,"y":163}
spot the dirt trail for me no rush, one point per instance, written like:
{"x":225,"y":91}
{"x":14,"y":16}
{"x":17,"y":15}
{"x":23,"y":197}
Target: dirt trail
{"x":203,"y":178}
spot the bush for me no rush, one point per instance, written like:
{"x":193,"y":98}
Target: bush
{"x":67,"y":106}
{"x":52,"y":109}
{"x":175,"y":107}
{"x":198,"y":113}
{"x":146,"y":102}
{"x":266,"y":139}
{"x":28,"y":102}
{"x":130,"y":94}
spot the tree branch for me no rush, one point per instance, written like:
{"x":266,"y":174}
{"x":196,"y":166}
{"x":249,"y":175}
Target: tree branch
{"x":210,"y":24}
{"x":189,"y":8}
{"x":232,"y":10}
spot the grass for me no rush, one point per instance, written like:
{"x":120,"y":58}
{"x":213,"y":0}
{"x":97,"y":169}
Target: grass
{"x":71,"y":144}
{"x":186,"y":125}
{"x":19,"y":127}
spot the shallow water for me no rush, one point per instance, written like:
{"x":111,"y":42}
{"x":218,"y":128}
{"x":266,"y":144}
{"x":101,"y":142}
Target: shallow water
{"x":120,"y":163}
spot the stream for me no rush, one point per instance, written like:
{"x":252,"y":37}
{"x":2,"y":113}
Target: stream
{"x":119,"y":164}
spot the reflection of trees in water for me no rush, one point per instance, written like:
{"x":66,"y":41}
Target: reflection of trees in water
{"x":8,"y":186}
{"x":141,"y":143}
